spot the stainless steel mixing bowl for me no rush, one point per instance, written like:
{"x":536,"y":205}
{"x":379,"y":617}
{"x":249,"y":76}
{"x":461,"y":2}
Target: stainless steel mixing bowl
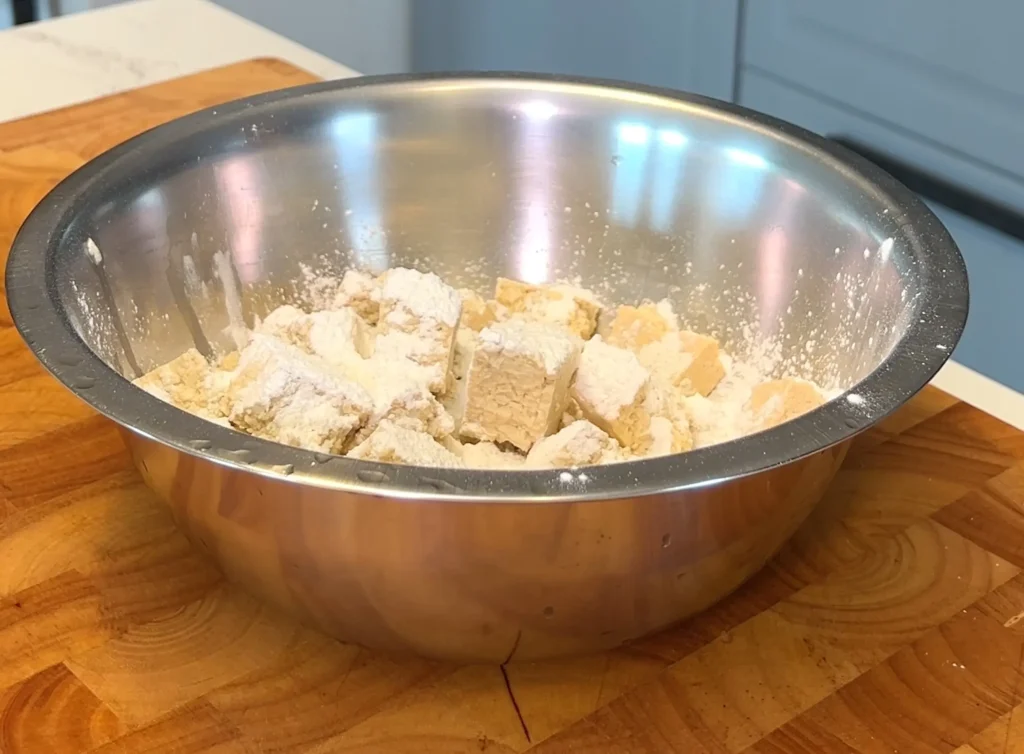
{"x":752,"y":226}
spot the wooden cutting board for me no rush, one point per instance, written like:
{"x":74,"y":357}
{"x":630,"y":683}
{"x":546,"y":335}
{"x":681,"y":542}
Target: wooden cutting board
{"x":894,"y":621}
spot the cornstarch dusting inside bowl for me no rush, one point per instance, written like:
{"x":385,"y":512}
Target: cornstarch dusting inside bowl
{"x":403,"y":368}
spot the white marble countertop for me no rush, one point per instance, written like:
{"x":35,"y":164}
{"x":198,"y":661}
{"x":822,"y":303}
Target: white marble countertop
{"x":88,"y":55}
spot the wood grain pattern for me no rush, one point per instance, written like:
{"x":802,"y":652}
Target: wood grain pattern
{"x":893,"y":620}
{"x":52,"y":711}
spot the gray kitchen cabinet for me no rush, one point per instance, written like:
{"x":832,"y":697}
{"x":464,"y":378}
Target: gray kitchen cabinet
{"x":995,"y":261}
{"x":683,"y":44}
{"x":947,"y":72}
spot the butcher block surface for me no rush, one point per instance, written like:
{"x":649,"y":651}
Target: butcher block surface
{"x":893,"y":622}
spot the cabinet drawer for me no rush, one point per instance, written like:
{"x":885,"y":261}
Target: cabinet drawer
{"x":949,"y":72}
{"x":995,"y":261}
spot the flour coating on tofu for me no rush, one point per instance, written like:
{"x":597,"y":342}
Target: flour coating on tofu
{"x":572,"y":308}
{"x":670,"y":430}
{"x":687,"y":361}
{"x":487,"y":455}
{"x":611,"y":389}
{"x":418,"y":318}
{"x":478,"y":313}
{"x":280,"y":393}
{"x":361,"y":293}
{"x":334,"y":336}
{"x":185,"y":382}
{"x":579,"y":444}
{"x":668,"y":437}
{"x":404,"y":400}
{"x":777,"y":401}
{"x":390,"y":443}
{"x":634,"y":327}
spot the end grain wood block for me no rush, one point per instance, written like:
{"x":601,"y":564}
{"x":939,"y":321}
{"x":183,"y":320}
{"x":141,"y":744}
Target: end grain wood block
{"x":992,"y":516}
{"x":949,"y":685}
{"x":47,"y":623}
{"x":52,"y":711}
{"x":18,"y":362}
{"x":152,"y":668}
{"x":193,"y":729}
{"x":316,"y":689}
{"x":58,"y":462}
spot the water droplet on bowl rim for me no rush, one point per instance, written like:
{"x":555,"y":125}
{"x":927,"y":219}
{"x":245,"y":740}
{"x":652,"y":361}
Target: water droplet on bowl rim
{"x":372,"y":477}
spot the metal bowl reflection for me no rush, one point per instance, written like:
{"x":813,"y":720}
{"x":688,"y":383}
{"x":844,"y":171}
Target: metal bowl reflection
{"x":748,"y":224}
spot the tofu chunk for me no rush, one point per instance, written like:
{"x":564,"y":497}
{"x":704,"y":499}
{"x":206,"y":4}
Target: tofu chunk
{"x":670,"y":430}
{"x":390,"y":443}
{"x":518,"y":383}
{"x":360,"y":292}
{"x":668,"y":437}
{"x":419,"y":315}
{"x":280,"y":393}
{"x":336,"y":336}
{"x":611,"y":389}
{"x":229,"y":361}
{"x":579,"y":444}
{"x":573,"y":308}
{"x":403,"y":400}
{"x":454,"y":396}
{"x":278,"y":323}
{"x":183,"y":382}
{"x":418,"y":302}
{"x":684,"y":360}
{"x":572,"y":412}
{"x":478,"y":313}
{"x":465,"y":345}
{"x":487,"y":455}
{"x":777,"y":401}
{"x":634,"y":327}
{"x":434,"y":357}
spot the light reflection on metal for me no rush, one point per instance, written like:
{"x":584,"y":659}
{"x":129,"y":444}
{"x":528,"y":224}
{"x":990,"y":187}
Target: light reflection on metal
{"x":746,"y":158}
{"x":238,"y":186}
{"x":150,"y":213}
{"x":632,"y":150}
{"x":739,"y":183}
{"x":354,"y":136}
{"x":535,"y":238}
{"x":776,"y":278}
{"x":538,"y":109}
{"x":535,"y":196}
{"x":668,"y":169}
{"x":152,"y":199}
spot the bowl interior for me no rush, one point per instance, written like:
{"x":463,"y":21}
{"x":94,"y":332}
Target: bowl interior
{"x":758,"y":239}
{"x":790,"y":250}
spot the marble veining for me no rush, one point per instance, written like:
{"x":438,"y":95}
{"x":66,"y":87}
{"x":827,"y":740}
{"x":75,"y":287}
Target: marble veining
{"x":86,"y":55}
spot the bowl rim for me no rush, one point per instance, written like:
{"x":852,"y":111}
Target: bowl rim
{"x":921,"y":351}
